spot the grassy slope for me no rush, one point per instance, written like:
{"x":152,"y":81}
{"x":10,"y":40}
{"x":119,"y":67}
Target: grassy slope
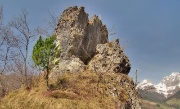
{"x":151,"y":96}
{"x":152,"y":105}
{"x":172,"y":102}
{"x":70,"y":91}
{"x":176,"y":95}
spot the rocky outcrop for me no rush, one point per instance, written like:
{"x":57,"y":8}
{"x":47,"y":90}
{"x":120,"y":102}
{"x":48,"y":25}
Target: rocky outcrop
{"x":110,"y":58}
{"x":84,"y":47}
{"x":84,"y":44}
{"x":78,"y":36}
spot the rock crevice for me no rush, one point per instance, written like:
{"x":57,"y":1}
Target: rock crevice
{"x":79,"y":36}
{"x":84,"y":45}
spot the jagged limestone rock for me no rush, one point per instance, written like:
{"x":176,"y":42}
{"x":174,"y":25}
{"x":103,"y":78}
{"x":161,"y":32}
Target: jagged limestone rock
{"x":78,"y":36}
{"x":87,"y":39}
{"x":110,"y":58}
{"x":84,"y":47}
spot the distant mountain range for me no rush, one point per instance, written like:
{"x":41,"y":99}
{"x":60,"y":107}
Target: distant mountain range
{"x":157,"y":93}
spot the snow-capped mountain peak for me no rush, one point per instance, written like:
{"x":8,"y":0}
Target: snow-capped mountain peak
{"x":145,"y":84}
{"x":168,"y":86}
{"x":171,"y":80}
{"x":162,"y":89}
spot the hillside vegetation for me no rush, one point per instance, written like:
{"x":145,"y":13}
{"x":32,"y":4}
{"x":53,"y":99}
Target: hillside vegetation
{"x":173,"y":102}
{"x":88,"y":90}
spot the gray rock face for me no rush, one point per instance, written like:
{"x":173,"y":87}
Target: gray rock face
{"x":78,"y":36}
{"x":110,"y":58}
{"x":72,"y":65}
{"x":84,"y":44}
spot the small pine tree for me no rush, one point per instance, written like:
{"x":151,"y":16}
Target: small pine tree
{"x":44,"y":54}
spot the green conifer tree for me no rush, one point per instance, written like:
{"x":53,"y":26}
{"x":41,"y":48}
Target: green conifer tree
{"x":44,"y":55}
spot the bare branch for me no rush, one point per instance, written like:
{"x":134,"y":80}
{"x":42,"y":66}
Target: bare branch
{"x":50,"y":25}
{"x":22,"y":25}
{"x":53,"y":20}
{"x":5,"y":60}
{"x":111,"y":33}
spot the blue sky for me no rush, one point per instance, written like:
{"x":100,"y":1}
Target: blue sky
{"x":149,"y":30}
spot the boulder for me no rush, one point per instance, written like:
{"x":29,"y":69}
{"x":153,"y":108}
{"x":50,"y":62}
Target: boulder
{"x":72,"y":65}
{"x":110,"y":58}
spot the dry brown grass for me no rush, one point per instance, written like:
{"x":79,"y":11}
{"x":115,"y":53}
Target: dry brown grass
{"x":87,"y":90}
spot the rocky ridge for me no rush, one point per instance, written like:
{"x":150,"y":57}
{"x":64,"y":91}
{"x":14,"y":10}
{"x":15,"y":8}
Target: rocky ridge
{"x":84,"y":45}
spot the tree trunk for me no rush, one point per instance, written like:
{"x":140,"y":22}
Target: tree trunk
{"x":25,"y":65}
{"x":47,"y":77}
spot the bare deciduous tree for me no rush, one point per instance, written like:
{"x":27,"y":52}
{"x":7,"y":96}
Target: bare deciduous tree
{"x":24,"y":37}
{"x":6,"y":45}
{"x":15,"y":38}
